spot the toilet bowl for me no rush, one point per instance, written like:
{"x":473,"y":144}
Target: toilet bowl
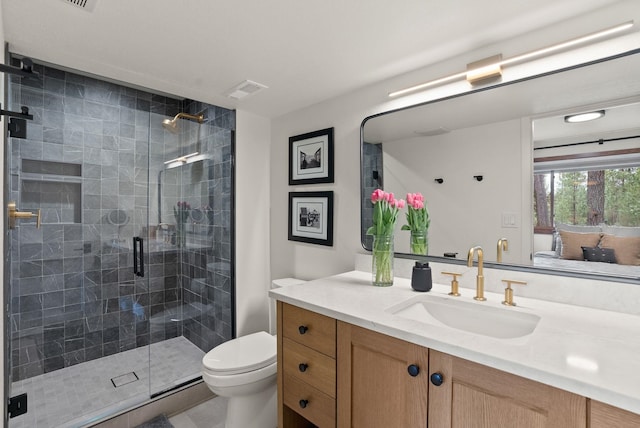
{"x":244,"y":370}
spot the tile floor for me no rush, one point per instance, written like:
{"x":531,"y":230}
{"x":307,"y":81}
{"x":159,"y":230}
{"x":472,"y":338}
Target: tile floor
{"x":210,"y":414}
{"x":76,"y":395}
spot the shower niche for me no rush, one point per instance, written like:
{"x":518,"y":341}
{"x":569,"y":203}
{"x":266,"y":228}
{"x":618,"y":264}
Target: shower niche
{"x":54,"y":187}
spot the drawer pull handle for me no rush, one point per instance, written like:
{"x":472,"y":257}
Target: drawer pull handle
{"x":413,"y":370}
{"x":437,"y":379}
{"x":303,"y":329}
{"x":303,"y":367}
{"x":303,"y":403}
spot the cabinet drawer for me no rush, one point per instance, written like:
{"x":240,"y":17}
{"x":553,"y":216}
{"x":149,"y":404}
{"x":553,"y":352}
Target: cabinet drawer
{"x":319,"y":370}
{"x":310,"y":329}
{"x":319,"y":408}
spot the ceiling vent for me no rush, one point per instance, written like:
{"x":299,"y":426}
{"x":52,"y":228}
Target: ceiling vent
{"x":245,"y":89}
{"x":87,"y":5}
{"x":433,"y":132}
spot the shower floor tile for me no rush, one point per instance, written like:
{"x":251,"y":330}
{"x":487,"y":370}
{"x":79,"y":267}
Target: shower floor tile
{"x":78,"y":395}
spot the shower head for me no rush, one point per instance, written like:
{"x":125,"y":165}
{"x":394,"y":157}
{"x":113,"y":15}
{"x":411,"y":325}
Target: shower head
{"x":171,"y":125}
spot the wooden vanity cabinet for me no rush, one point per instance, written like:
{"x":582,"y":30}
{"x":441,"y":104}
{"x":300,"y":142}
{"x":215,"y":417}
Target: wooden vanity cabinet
{"x":473,"y":395}
{"x":306,"y":368}
{"x":357,"y":378}
{"x":606,"y":416}
{"x":382,"y":381}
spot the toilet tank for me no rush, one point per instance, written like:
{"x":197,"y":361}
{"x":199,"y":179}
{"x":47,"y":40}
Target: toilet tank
{"x":277,"y":283}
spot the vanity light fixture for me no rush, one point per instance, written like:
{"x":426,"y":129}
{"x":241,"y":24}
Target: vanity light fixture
{"x":478,"y":71}
{"x":485,"y":70}
{"x":584,"y":117}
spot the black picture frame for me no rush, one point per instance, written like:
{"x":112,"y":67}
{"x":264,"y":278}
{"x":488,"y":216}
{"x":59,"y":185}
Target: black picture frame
{"x":311,"y":217}
{"x":311,"y":157}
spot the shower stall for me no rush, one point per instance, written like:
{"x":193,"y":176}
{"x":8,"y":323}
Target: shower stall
{"x":129,"y":278}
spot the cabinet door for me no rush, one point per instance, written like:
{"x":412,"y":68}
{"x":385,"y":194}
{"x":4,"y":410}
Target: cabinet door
{"x":476,"y":396}
{"x":375,"y":388}
{"x":606,"y":416}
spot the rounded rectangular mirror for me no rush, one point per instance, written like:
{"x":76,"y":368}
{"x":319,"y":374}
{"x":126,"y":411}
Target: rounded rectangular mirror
{"x":503,"y":163}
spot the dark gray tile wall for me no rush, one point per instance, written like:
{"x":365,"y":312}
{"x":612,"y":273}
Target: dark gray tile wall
{"x":206,"y":274}
{"x":73,"y":293}
{"x":371,"y":165}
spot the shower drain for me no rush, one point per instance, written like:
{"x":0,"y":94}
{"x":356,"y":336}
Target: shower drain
{"x":124,"y":379}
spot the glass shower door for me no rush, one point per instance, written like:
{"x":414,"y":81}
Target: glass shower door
{"x":191,"y":209}
{"x":175,"y":220}
{"x":79,"y":312}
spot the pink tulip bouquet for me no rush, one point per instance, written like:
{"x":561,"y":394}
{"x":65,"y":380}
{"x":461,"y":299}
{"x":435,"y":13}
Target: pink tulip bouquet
{"x":385,"y":214}
{"x":418,"y":223}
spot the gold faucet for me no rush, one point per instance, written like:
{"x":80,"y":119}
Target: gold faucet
{"x":455,"y":290}
{"x":508,"y":292}
{"x":480,"y":278}
{"x":503,"y":245}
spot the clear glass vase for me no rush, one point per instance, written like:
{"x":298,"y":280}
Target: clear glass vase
{"x":419,"y":242}
{"x":382,"y":260}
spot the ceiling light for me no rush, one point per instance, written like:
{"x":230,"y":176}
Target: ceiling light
{"x":584,"y":117}
{"x":479,"y":71}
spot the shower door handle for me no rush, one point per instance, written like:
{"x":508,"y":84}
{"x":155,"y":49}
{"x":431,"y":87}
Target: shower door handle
{"x":138,"y":256}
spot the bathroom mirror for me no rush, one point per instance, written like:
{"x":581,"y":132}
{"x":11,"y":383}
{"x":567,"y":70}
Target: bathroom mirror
{"x":474,"y":157}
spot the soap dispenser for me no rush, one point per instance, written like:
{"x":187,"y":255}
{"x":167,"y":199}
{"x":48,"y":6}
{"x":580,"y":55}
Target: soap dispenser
{"x":421,"y":277}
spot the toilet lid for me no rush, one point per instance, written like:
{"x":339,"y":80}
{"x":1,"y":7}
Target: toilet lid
{"x":241,"y":355}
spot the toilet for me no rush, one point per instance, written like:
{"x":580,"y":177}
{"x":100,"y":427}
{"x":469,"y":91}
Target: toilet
{"x":244,"y":371}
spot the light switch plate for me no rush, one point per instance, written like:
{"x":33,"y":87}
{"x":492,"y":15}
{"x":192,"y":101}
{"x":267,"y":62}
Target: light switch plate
{"x":510,"y":220}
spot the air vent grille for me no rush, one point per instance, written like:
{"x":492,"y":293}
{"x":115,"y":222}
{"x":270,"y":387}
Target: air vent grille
{"x":88,"y":5}
{"x":433,"y":132}
{"x":245,"y":89}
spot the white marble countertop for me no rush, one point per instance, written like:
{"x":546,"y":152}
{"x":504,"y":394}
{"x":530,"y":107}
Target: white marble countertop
{"x":590,"y":352}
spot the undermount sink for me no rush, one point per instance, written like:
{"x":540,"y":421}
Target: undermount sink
{"x":472,"y":317}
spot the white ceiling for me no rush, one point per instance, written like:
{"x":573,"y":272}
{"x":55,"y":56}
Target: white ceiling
{"x":304,"y":51}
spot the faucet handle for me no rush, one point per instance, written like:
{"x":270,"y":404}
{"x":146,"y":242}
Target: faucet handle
{"x":454,"y":283}
{"x":508,"y":292}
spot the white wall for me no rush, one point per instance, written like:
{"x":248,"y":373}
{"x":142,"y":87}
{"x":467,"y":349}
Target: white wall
{"x":346,"y":113}
{"x":252,"y":165}
{"x":460,"y":203}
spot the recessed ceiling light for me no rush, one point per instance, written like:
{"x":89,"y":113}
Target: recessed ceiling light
{"x":584,"y":117}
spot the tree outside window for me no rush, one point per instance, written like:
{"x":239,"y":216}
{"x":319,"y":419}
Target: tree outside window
{"x":609,"y":196}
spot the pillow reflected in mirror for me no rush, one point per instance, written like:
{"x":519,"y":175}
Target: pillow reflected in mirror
{"x":572,"y":243}
{"x":597,"y":254}
{"x":627,"y":248}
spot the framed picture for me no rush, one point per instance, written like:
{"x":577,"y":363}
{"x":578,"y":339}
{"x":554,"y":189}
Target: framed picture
{"x":311,"y":157}
{"x":311,"y":217}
